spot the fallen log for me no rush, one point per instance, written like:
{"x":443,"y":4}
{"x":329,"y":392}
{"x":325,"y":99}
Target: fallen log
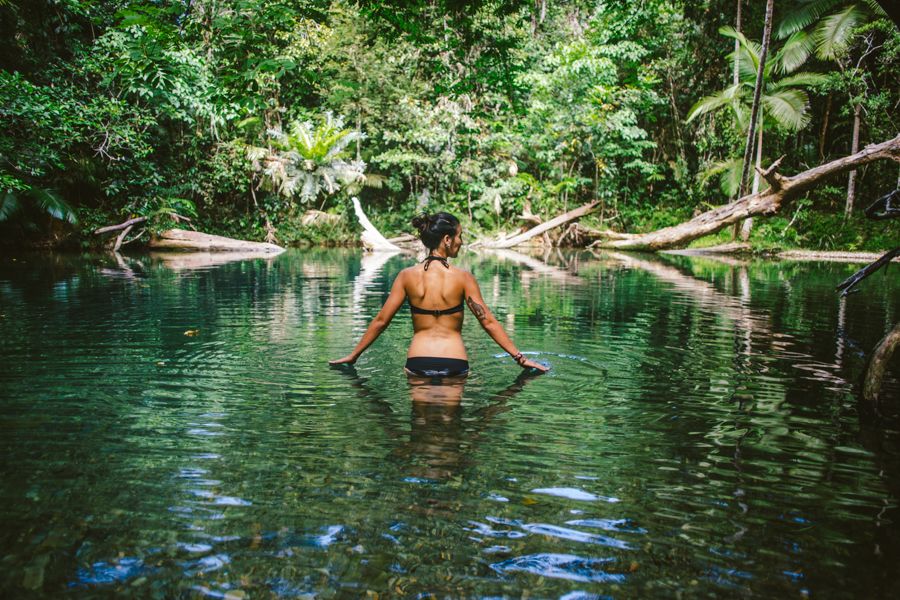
{"x":404,"y":238}
{"x":766,"y":202}
{"x":581,"y":236}
{"x":846,"y":286}
{"x":121,"y":237}
{"x":729,"y":248}
{"x":562,"y":219}
{"x":878,"y":365}
{"x":181,"y":239}
{"x":371,"y":237}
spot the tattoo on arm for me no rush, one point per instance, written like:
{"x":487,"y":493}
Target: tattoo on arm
{"x":477,"y":309}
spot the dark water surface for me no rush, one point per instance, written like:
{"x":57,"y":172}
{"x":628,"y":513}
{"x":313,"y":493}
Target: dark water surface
{"x":172,"y":429}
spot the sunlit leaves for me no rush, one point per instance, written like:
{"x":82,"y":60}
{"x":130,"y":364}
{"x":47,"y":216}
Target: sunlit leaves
{"x":788,"y":107}
{"x":802,"y":15}
{"x":835,"y":31}
{"x":306,"y":160}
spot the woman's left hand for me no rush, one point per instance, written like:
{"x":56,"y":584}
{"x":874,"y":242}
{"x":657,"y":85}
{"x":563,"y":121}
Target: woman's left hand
{"x":530,"y":364}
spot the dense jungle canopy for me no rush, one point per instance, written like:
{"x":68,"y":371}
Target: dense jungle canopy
{"x":248,"y":114}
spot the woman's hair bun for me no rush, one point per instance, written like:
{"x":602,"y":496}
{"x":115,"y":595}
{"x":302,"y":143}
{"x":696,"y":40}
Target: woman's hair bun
{"x":433,"y":228}
{"x":420,"y":222}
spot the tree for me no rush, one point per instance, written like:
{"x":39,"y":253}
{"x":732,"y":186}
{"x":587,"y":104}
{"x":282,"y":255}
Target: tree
{"x":307,"y":161}
{"x":783,"y":101}
{"x":833,"y":35}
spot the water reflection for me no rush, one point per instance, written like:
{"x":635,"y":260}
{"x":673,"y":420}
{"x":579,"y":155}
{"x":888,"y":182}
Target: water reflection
{"x":442,"y":431}
{"x":699,"y":434}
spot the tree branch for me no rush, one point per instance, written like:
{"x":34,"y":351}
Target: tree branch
{"x":127,"y":223}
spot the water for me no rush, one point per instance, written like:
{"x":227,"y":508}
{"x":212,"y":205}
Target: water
{"x":171,"y":428}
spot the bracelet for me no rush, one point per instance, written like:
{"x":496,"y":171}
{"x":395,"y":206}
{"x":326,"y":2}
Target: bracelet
{"x":518,"y":357}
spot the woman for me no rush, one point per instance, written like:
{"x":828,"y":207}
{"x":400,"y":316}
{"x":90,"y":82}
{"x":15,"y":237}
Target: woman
{"x":437,"y":292}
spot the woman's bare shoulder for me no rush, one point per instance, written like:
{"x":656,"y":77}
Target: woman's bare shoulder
{"x":463,"y":275}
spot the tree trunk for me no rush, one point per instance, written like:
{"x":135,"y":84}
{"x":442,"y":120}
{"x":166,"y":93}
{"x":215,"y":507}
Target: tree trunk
{"x":851,"y":181}
{"x":747,"y":225}
{"x":180,"y":239}
{"x":878,"y":365}
{"x":371,"y":237}
{"x":543,"y":227}
{"x":824,"y":131}
{"x":757,"y":94}
{"x":765,"y":202}
{"x":736,"y":79}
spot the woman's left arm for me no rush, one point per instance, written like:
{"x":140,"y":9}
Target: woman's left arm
{"x":379,"y":323}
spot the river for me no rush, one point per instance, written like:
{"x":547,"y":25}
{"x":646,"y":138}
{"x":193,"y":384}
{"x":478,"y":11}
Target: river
{"x":170,"y":427}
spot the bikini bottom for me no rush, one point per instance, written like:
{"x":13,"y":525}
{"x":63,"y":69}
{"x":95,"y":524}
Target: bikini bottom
{"x":434,"y":366}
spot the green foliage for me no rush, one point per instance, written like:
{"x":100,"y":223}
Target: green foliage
{"x":784,"y":103}
{"x":488,"y":109}
{"x":308,"y":160}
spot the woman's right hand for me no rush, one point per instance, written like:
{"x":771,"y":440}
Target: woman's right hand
{"x":530,"y":364}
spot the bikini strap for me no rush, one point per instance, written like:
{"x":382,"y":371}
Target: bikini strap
{"x":432,"y":257}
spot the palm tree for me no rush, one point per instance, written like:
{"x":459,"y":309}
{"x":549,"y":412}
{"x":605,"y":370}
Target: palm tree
{"x":783,"y":101}
{"x":307,"y":160}
{"x":20,"y":199}
{"x":831,"y":37}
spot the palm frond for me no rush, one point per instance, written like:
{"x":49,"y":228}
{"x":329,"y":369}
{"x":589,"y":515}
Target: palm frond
{"x":50,"y":202}
{"x":741,"y":116}
{"x":794,"y":52}
{"x":751,"y":48}
{"x":9,"y":206}
{"x":729,"y":173}
{"x":833,"y":34}
{"x":876,"y":9}
{"x":374,"y":180}
{"x":714,"y":102}
{"x":747,"y":65}
{"x":789,"y":108}
{"x":802,"y":79}
{"x":802,"y":16}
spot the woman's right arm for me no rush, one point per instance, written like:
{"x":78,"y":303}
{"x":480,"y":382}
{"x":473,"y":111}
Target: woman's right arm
{"x":491,"y":325}
{"x":379,"y":323}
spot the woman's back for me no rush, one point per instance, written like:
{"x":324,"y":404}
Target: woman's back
{"x":436,"y":298}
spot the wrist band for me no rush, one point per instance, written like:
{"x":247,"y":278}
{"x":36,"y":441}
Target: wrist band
{"x":518,"y":357}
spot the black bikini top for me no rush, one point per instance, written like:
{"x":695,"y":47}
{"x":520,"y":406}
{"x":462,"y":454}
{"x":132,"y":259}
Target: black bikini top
{"x":440,"y":259}
{"x":435,"y":313}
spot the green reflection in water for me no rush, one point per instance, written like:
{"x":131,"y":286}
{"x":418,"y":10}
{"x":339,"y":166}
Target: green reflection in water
{"x":172,"y":426}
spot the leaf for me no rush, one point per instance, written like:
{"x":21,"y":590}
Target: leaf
{"x":53,"y":205}
{"x":248,"y":122}
{"x":804,"y":14}
{"x":788,"y":108}
{"x":714,"y":102}
{"x":728,"y":172}
{"x":834,"y":33}
{"x":795,"y":52}
{"x":800,"y":79}
{"x":8,"y":206}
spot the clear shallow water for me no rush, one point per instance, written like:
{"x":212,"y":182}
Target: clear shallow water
{"x":173,"y":429}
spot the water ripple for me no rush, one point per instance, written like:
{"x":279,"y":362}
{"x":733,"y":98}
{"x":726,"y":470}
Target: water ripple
{"x":562,"y":566}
